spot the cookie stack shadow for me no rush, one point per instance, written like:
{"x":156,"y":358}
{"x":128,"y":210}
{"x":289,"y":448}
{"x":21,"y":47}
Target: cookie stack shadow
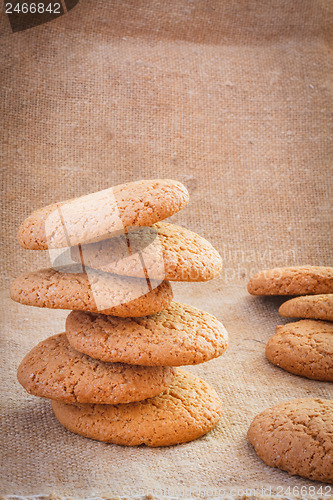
{"x":113,"y":375}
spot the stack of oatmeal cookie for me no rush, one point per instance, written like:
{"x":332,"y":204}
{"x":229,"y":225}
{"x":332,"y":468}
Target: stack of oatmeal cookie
{"x":304,"y":347}
{"x":111,"y":376}
{"x":297,"y":436}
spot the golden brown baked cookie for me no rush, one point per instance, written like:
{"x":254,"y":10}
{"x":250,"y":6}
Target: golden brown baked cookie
{"x":168,"y":252}
{"x":54,"y":370}
{"x":297,"y":437}
{"x":309,"y":306}
{"x":97,"y":215}
{"x":304,"y":348}
{"x":299,"y":280}
{"x":95,"y":291}
{"x":188,"y":409}
{"x":178,"y":335}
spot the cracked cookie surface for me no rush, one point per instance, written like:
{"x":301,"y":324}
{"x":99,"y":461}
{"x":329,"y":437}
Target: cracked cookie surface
{"x":54,"y":370}
{"x":309,"y":306}
{"x":188,"y":409}
{"x":303,"y":348}
{"x":168,"y":252}
{"x":297,"y":437}
{"x":95,"y":291}
{"x":298,"y":280}
{"x":97,"y":215}
{"x":178,"y":335}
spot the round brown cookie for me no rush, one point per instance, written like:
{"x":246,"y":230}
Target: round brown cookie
{"x":168,"y":251}
{"x":54,"y":370}
{"x":309,"y":306}
{"x":97,"y":215}
{"x":297,"y":437}
{"x":188,"y":409}
{"x":300,"y":280}
{"x":95,"y":292}
{"x":179,"y":335}
{"x":304,"y":348}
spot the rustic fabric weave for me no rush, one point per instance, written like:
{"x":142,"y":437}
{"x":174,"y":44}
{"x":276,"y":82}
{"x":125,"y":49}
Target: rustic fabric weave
{"x":232,"y":98}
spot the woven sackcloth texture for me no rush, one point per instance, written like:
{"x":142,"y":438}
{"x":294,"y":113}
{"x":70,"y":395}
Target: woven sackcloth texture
{"x":232,"y":98}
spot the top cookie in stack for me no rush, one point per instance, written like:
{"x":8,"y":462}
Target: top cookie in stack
{"x":98,"y":215}
{"x":125,"y":335}
{"x":296,"y":280}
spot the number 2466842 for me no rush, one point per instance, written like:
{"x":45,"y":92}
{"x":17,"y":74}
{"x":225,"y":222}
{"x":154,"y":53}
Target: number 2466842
{"x":32,"y":8}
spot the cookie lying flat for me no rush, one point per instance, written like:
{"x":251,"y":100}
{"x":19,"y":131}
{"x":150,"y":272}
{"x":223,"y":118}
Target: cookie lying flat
{"x":297,"y":437}
{"x":179,"y":335}
{"x":168,"y":251}
{"x":95,"y":291}
{"x":97,"y":215}
{"x":54,"y":370}
{"x":303,"y":348}
{"x":188,"y":409}
{"x":300,"y":280}
{"x":309,"y":306}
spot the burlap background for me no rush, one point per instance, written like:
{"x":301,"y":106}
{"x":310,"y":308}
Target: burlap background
{"x":233,"y":98}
